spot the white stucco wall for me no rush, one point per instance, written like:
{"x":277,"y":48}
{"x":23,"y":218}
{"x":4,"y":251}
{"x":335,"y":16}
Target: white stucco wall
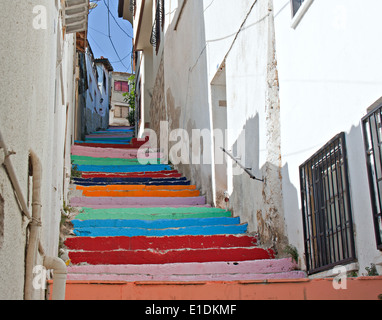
{"x":329,"y":71}
{"x":289,"y":89}
{"x":33,"y":117}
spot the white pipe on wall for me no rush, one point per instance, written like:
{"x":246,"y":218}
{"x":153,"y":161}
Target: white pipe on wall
{"x":34,"y":227}
{"x":34,"y":245}
{"x":59,"y":276}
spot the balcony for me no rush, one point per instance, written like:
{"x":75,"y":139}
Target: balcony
{"x":76,"y":15}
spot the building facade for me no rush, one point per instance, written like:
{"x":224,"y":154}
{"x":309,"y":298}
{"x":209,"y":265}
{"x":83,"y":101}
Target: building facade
{"x":37,"y":128}
{"x":94,"y":91}
{"x":292,"y":98}
{"x":120,"y":109}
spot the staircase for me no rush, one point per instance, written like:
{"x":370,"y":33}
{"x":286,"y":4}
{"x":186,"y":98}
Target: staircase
{"x":147,"y":223}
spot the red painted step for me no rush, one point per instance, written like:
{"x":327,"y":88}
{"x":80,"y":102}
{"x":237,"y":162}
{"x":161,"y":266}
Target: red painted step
{"x":120,"y":257}
{"x":159,"y":243}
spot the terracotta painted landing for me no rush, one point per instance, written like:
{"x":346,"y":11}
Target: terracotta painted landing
{"x":363,"y":288}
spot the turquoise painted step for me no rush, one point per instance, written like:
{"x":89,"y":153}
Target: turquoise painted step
{"x":122,"y":169}
{"x":101,"y":142}
{"x":157,"y":224}
{"x":142,"y":232}
{"x":151,"y":213}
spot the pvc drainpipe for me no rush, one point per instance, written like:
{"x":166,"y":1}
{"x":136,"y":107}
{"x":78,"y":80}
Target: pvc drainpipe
{"x":34,"y":245}
{"x":34,"y":227}
{"x":59,"y":276}
{"x":12,"y":175}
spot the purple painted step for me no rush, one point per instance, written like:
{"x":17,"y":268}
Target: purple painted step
{"x":132,"y":201}
{"x":210,"y":271}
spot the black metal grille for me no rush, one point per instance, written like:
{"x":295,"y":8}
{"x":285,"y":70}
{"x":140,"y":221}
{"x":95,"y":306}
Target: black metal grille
{"x":158,"y":25}
{"x":372,"y":130}
{"x":326,"y":208}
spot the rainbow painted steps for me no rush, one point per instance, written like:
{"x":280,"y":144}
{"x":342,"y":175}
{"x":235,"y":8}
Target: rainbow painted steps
{"x":140,"y":220}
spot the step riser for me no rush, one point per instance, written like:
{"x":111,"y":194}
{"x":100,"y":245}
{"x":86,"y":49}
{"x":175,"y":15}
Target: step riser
{"x":123,"y":169}
{"x":116,"y":162}
{"x":106,"y":202}
{"x":159,"y":243}
{"x":110,"y":135}
{"x":149,"y":194}
{"x":108,"y":146}
{"x":149,"y":175}
{"x":139,"y":232}
{"x":112,"y":153}
{"x":111,"y":187}
{"x":157,"y":224}
{"x":156,"y":210}
{"x":150,"y":217}
{"x":188,"y":278}
{"x":176,"y":256}
{"x":255,"y":266}
{"x":148,"y":183}
{"x":117,"y":143}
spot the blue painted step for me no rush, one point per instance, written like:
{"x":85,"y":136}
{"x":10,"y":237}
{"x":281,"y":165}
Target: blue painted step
{"x":157,"y":224}
{"x":102,"y":142}
{"x":143,"y":232}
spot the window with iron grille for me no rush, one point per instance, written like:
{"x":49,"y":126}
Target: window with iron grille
{"x":372,"y":130}
{"x":158,"y":25}
{"x":326,"y":208}
{"x":296,"y":4}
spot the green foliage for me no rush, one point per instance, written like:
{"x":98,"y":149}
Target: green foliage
{"x":372,"y":271}
{"x":74,"y":172}
{"x":130,"y":99}
{"x":292,"y":251}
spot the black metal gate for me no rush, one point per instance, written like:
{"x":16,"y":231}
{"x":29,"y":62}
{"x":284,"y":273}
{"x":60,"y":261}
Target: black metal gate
{"x":372,"y":130}
{"x":326,"y":208}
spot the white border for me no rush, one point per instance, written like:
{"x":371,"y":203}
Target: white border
{"x":300,"y":13}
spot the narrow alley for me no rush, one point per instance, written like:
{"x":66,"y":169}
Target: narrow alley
{"x":145,"y":222}
{"x":190,"y":150}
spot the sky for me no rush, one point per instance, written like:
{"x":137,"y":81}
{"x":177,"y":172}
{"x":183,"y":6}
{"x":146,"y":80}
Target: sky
{"x":118,"y":47}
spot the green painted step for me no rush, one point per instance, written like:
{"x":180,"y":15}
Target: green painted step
{"x":82,"y":160}
{"x":151,"y":214}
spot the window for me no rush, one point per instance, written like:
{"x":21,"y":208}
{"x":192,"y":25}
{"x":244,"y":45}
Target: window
{"x":372,"y":130}
{"x":326,"y":208}
{"x":296,"y":4}
{"x":121,"y":112}
{"x":299,"y":8}
{"x":121,"y":86}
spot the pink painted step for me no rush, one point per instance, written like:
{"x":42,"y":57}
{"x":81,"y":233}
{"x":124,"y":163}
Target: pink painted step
{"x":143,"y":257}
{"x":132,"y":201}
{"x":159,"y":243}
{"x":210,"y":271}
